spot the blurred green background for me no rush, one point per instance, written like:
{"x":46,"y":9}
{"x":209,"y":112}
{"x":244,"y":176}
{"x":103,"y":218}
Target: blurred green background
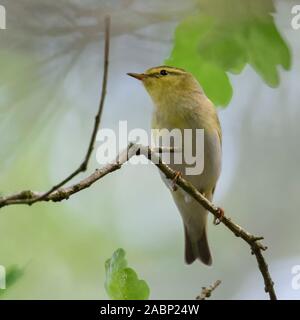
{"x":50,"y":75}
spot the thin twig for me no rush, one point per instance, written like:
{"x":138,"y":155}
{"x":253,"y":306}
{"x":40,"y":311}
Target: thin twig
{"x":83,"y":166}
{"x":57,"y":193}
{"x":29,"y":197}
{"x":207,"y":291}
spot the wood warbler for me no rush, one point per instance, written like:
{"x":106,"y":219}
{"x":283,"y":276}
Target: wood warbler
{"x":180,"y":103}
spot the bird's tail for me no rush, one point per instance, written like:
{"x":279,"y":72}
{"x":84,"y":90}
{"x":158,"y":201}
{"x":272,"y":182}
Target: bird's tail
{"x":196,"y":246}
{"x":194,"y":218}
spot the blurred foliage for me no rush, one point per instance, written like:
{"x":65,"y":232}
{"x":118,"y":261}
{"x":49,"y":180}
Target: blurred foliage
{"x":13,"y":274}
{"x":50,"y":79}
{"x":223,"y":37}
{"x":122,"y":283}
{"x":11,"y":78}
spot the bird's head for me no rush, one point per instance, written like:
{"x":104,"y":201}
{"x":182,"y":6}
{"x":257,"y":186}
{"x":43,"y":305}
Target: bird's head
{"x":167,"y":83}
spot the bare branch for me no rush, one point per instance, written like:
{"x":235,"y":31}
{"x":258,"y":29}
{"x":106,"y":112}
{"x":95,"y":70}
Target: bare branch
{"x":83,"y":166}
{"x":29,"y":197}
{"x":207,"y":291}
{"x":59,"y":193}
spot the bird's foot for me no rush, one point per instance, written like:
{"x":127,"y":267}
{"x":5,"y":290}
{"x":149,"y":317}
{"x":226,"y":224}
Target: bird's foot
{"x":174,"y":181}
{"x":220,"y":215}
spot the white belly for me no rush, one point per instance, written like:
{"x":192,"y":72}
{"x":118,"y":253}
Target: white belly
{"x":208,"y":158}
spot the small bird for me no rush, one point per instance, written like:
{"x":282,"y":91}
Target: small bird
{"x":180,"y":103}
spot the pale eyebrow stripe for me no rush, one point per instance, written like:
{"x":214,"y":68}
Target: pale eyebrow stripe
{"x":157,"y":74}
{"x":169,"y":69}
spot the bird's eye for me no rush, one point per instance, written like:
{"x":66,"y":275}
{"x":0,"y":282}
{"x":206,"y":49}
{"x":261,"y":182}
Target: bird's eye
{"x":163,"y":72}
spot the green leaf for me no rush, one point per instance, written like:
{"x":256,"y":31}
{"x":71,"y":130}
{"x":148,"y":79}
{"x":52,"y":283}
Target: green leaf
{"x":267,"y":50}
{"x":224,"y":37}
{"x":13,"y":274}
{"x":185,"y":55}
{"x":122,"y":283}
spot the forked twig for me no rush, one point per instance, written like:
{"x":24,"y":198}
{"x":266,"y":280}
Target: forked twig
{"x":83,"y":166}
{"x":57,"y":193}
{"x":29,"y":197}
{"x":207,"y":291}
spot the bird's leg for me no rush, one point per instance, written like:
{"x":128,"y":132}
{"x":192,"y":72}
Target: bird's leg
{"x":217,"y":220}
{"x":174,"y":181}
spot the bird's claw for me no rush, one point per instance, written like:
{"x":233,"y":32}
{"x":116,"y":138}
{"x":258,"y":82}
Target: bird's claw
{"x":218,"y":219}
{"x":174,"y":181}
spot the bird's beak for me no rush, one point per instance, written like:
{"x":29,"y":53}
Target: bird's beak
{"x":139,"y":76}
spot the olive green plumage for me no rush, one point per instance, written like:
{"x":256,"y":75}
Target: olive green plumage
{"x":179,"y":102}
